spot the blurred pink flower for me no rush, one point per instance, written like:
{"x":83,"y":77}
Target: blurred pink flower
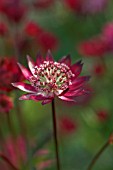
{"x":95,"y":47}
{"x":47,"y":40}
{"x":15,"y":10}
{"x":67,"y":125}
{"x":3,"y":29}
{"x":74,"y":5}
{"x":9,"y":72}
{"x":107,"y":34}
{"x":99,"y":45}
{"x":42,"y":4}
{"x":6,"y":103}
{"x":32,"y":29}
{"x":48,"y":78}
{"x":86,"y":6}
{"x":45,"y":164}
{"x":15,"y":151}
{"x":99,"y":69}
{"x":94,"y":6}
{"x":102,"y":115}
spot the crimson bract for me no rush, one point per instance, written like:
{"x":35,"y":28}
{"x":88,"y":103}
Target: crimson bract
{"x":48,"y":78}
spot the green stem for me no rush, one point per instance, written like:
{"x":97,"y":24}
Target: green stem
{"x":96,"y":157}
{"x":9,"y":122}
{"x":55,"y":135}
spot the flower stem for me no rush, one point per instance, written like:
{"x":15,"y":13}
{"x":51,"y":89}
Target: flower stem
{"x":9,"y":122}
{"x":55,"y":134}
{"x":8,"y":161}
{"x":96,"y":157}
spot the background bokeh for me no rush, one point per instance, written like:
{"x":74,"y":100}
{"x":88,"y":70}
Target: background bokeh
{"x":84,"y":29}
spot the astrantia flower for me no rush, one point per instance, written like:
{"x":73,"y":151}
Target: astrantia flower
{"x":95,"y":47}
{"x":102,"y":115}
{"x":15,"y":150}
{"x":99,"y":45}
{"x":32,"y":29}
{"x":67,"y":125}
{"x":107,"y":34}
{"x":15,"y":10}
{"x":86,"y":6}
{"x":48,"y":78}
{"x":47,"y":40}
{"x":99,"y":69}
{"x":6,"y":103}
{"x":9,"y":72}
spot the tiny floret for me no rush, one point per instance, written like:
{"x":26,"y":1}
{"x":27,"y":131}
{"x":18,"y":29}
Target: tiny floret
{"x":48,"y":78}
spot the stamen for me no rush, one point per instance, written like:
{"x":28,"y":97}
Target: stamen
{"x":51,"y":77}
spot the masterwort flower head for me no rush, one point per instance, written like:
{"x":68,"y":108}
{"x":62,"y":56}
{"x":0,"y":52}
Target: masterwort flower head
{"x":48,"y":78}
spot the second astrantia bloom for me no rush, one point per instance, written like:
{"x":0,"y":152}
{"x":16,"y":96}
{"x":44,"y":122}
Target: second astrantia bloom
{"x":48,"y":78}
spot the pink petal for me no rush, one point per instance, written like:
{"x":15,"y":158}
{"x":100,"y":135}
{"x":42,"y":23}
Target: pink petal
{"x":46,"y":101}
{"x":62,"y":94}
{"x":25,"y":97}
{"x":31,"y":64}
{"x":73,"y":93}
{"x":40,"y":59}
{"x":37,"y":97}
{"x":77,"y":93}
{"x":76,"y":68}
{"x":79,"y":82}
{"x":24,"y":87}
{"x":25,"y":71}
{"x":32,"y":97}
{"x":66,"y":99}
{"x":66,"y":60}
{"x":49,"y":56}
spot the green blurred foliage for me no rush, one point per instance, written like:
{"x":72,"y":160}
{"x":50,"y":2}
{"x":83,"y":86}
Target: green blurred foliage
{"x":76,"y":149}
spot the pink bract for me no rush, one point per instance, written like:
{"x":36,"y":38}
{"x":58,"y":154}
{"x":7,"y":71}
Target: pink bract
{"x":48,"y":78}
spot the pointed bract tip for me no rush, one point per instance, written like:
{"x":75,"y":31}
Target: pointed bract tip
{"x":49,"y":56}
{"x":88,"y":78}
{"x":19,"y":64}
{"x":28,"y":57}
{"x":20,"y":98}
{"x":80,"y":62}
{"x":49,"y":51}
{"x":13,"y":84}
